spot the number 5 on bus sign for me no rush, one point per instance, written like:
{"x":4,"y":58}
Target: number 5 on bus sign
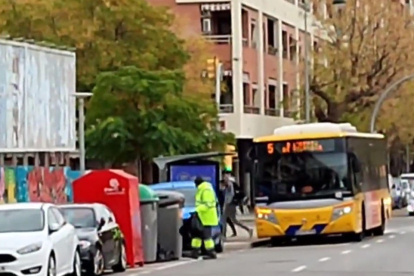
{"x":270,"y":148}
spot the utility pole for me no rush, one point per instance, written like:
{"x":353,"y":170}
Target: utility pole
{"x":218,"y":84}
{"x":81,"y":131}
{"x":218,"y":69}
{"x":307,"y":73}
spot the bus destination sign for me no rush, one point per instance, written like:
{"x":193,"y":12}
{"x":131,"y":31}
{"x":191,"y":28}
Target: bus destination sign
{"x":326,"y":145}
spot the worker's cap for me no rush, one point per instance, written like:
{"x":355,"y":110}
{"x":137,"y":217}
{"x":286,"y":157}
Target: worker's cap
{"x":198,"y":180}
{"x":226,"y":170}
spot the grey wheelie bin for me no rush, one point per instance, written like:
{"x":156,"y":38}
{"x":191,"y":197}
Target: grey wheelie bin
{"x":149,"y":226}
{"x":170,"y":244}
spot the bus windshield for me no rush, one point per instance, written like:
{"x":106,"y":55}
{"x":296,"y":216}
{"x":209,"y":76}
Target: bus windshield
{"x":302,"y":175}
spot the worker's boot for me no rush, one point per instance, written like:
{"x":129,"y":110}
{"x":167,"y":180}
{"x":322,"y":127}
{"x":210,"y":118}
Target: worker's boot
{"x":210,"y":255}
{"x":195,"y":253}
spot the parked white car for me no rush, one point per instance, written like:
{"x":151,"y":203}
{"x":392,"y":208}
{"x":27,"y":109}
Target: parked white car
{"x":35,"y":240}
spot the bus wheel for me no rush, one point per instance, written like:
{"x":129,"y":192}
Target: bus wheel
{"x":379,"y":231}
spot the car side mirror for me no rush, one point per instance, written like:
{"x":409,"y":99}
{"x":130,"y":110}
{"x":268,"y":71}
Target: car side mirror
{"x":101,"y":224}
{"x":54,"y":227}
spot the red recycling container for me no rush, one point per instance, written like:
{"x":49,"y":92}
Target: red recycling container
{"x":119,"y":191}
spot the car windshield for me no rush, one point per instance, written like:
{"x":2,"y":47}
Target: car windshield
{"x":22,"y":220}
{"x":305,"y":175}
{"x":189,"y":196}
{"x":79,"y":217}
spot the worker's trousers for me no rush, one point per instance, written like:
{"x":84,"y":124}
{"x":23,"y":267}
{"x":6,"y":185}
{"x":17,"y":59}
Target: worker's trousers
{"x":204,"y":235}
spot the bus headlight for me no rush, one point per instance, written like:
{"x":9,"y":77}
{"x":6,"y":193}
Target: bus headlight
{"x":266,"y":214}
{"x":340,"y":211}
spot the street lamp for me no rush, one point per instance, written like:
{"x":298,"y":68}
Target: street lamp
{"x":81,"y":131}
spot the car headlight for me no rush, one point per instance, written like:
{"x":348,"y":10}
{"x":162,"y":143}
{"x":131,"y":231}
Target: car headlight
{"x":340,"y":211}
{"x":30,"y":248}
{"x":266,"y":214}
{"x":84,"y":244}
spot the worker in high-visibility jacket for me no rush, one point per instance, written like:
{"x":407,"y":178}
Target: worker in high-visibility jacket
{"x":206,"y":217}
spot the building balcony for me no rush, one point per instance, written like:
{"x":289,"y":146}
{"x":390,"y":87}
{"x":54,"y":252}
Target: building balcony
{"x":249,"y":125}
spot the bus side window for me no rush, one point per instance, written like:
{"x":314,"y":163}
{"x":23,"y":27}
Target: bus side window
{"x":356,"y":172}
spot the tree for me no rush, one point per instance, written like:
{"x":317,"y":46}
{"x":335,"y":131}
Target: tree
{"x":149,"y":117}
{"x":361,"y":50}
{"x":107,"y":34}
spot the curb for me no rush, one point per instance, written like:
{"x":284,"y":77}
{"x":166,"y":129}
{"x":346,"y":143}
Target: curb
{"x":260,"y":243}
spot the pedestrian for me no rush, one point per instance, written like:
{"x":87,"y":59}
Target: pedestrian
{"x":230,"y":205}
{"x":228,"y":220}
{"x":204,"y":219}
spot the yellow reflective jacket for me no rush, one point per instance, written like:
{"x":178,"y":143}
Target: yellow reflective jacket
{"x":206,"y":205}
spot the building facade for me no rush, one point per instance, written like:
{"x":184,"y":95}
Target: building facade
{"x":260,"y":44}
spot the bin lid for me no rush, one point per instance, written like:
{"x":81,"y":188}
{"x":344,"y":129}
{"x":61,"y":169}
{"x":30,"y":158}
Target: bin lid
{"x":168,"y":198}
{"x":146,"y":194}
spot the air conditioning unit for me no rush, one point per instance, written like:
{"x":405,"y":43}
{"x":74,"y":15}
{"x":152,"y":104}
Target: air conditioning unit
{"x":206,"y":25}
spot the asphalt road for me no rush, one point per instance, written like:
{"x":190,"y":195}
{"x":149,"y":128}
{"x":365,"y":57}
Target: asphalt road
{"x":388,"y":255}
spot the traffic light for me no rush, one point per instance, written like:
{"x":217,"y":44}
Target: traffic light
{"x":212,"y":64}
{"x":228,"y":159}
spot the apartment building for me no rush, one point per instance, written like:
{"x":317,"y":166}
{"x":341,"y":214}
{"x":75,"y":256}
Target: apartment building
{"x":259,"y":43}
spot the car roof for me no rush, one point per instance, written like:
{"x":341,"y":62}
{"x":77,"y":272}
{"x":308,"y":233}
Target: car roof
{"x":174,"y":185}
{"x":25,"y":206}
{"x":80,"y":205}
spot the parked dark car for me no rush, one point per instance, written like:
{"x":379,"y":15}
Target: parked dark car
{"x":101,"y":240}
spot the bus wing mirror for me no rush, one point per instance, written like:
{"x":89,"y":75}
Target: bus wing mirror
{"x":357,"y":166}
{"x":251,"y":154}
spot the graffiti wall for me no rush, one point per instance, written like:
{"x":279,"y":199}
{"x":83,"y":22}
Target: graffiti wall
{"x":36,"y":184}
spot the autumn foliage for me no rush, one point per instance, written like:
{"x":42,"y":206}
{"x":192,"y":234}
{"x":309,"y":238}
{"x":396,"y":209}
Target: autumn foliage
{"x":361,"y":49}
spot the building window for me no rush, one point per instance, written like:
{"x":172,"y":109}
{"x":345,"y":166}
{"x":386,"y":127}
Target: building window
{"x":271,"y":37}
{"x":285,"y":44}
{"x":292,"y":48}
{"x":246,"y":94}
{"x":253,"y":34}
{"x":271,"y":99}
{"x":286,"y":100}
{"x":272,"y":96}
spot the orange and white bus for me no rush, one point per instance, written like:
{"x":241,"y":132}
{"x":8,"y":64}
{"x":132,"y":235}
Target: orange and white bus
{"x":321,"y":179}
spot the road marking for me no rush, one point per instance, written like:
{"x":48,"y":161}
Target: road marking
{"x":346,"y":252}
{"x":300,"y":268}
{"x":324,"y":259}
{"x":365,"y":246}
{"x":392,"y":236}
{"x":175,"y":264}
{"x":380,"y":241}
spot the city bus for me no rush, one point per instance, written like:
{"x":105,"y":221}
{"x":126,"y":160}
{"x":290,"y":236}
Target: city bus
{"x":321,"y":179}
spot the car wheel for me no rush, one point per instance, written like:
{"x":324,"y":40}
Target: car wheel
{"x":77,"y":269}
{"x":51,"y":270}
{"x":97,"y":267}
{"x":122,"y":260}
